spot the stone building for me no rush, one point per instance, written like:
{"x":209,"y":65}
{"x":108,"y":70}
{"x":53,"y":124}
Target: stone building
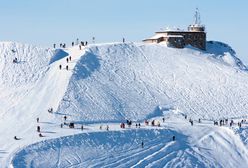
{"x":194,"y":36}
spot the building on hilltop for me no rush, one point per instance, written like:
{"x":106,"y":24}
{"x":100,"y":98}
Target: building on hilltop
{"x":194,"y":36}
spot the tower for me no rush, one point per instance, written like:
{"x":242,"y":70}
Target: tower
{"x":197,"y":26}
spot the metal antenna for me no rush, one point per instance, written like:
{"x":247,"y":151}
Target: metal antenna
{"x":197,"y":17}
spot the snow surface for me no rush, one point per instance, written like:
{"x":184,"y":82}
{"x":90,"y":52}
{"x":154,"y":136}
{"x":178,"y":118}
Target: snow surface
{"x":198,"y":146}
{"x":109,"y":83}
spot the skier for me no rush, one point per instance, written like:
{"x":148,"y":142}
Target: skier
{"x":100,"y":127}
{"x":173,"y":138}
{"x":82,"y":127}
{"x":80,"y":47}
{"x":72,"y":43}
{"x":67,"y":60}
{"x":142,"y":144}
{"x":37,"y":119}
{"x":61,"y":125}
{"x":38,"y":128}
{"x":70,"y":58}
{"x":107,"y":128}
{"x":65,"y":118}
{"x":139,"y":125}
{"x":60,"y":67}
{"x":199,"y":120}
{"x":40,"y":135}
{"x":67,"y":68}
{"x":163,"y":119}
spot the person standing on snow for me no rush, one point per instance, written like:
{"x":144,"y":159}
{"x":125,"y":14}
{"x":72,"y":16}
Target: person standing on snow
{"x":142,"y":144}
{"x":38,"y":128}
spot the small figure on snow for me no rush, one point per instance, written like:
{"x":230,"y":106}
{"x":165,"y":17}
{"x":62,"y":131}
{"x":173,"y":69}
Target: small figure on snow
{"x":16,"y":138}
{"x":60,"y":67}
{"x":37,"y":119}
{"x":173,"y":138}
{"x":50,"y":110}
{"x":38,"y":128}
{"x":15,"y":60}
{"x":142,"y":144}
{"x":65,"y":117}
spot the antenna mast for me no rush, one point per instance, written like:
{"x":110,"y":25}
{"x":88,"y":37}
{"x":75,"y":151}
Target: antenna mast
{"x":197,"y":17}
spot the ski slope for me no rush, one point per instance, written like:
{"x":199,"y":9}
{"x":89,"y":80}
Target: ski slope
{"x":199,"y":146}
{"x":109,"y":83}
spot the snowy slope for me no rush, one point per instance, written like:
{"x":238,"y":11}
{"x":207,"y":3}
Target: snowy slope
{"x":129,"y":81}
{"x":199,"y":146}
{"x":108,"y":83}
{"x":28,"y":89}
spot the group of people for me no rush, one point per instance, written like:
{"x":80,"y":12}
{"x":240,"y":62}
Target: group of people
{"x":63,"y":45}
{"x":68,"y":59}
{"x":129,"y":123}
{"x":221,"y":122}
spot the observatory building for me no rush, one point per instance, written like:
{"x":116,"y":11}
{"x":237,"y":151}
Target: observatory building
{"x":194,"y":36}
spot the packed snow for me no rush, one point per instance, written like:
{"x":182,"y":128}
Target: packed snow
{"x":106,"y":84}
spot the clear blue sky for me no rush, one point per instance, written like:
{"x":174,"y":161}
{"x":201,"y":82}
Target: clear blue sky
{"x":44,"y":22}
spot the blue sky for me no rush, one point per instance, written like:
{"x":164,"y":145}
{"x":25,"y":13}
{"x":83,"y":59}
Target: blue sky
{"x":44,"y":22}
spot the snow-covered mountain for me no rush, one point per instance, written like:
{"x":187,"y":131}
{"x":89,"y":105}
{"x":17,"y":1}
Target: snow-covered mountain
{"x":109,"y":83}
{"x":114,"y":82}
